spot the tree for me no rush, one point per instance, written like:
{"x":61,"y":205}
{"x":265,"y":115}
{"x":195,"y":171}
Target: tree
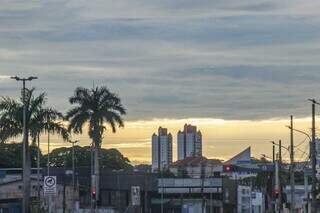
{"x":95,"y":107}
{"x":109,"y":158}
{"x":10,"y":155}
{"x":39,"y":119}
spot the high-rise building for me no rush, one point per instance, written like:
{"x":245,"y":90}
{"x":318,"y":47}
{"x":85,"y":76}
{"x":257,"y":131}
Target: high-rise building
{"x":161,"y":149}
{"x":189,"y":142}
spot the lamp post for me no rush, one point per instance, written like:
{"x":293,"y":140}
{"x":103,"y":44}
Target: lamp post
{"x":312,"y":157}
{"x":73,"y":171}
{"x":25,"y":150}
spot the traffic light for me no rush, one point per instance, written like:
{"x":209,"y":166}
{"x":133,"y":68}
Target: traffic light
{"x":93,"y":194}
{"x":228,"y":168}
{"x":276,"y":193}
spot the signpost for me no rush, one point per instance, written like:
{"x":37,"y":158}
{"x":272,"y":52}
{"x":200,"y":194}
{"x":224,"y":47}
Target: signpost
{"x":50,"y":185}
{"x":135,"y":195}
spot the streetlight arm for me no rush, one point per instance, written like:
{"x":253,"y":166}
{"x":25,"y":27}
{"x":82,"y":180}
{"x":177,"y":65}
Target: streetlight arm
{"x":302,"y":132}
{"x":313,"y":101}
{"x":286,"y":148}
{"x":265,"y":156}
{"x":15,"y":78}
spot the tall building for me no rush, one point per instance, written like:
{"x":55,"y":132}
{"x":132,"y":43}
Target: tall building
{"x":189,"y":142}
{"x":161,"y":149}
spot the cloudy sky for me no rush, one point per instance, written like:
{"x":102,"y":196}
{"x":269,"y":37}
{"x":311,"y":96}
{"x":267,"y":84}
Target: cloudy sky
{"x":244,"y":61}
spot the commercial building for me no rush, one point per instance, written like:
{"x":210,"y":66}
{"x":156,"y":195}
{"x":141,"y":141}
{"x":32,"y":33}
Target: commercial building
{"x":161,"y":149}
{"x":189,"y":142}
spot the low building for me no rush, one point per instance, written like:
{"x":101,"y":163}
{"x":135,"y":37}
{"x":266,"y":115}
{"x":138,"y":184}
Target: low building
{"x":244,"y":199}
{"x":11,"y":192}
{"x":241,"y":166}
{"x":196,"y":167}
{"x":241,"y":158}
{"x":258,"y":202}
{"x":300,"y":197}
{"x":189,"y":195}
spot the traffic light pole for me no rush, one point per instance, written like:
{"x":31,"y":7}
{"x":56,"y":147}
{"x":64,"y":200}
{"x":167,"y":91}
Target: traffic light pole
{"x":279,"y":167}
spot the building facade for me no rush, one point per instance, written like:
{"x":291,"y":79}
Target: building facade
{"x":196,"y":167}
{"x":189,"y":142}
{"x":161,"y":149}
{"x":244,"y":199}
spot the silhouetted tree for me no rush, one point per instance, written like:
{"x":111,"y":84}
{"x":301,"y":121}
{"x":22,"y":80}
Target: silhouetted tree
{"x":95,"y":107}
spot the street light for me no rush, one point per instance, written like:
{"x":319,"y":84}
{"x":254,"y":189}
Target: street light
{"x":300,"y":131}
{"x":25,"y":148}
{"x":266,"y":156}
{"x":73,"y":171}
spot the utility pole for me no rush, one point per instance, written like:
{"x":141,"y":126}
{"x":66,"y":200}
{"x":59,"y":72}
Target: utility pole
{"x":26,"y":164}
{"x":274,"y":177}
{"x":73,"y":174}
{"x":280,"y":154}
{"x":276,"y":185}
{"x":292,"y":188}
{"x":313,"y":158}
{"x":280,"y":186}
{"x":273,"y":153}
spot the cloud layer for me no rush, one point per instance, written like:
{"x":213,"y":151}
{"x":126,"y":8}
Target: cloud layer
{"x":168,"y":59}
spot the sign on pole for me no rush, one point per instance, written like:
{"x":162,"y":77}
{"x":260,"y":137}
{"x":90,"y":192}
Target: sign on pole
{"x":135,"y":195}
{"x":50,"y":185}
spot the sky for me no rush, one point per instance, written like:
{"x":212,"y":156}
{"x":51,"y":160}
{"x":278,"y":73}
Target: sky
{"x":237,"y":69}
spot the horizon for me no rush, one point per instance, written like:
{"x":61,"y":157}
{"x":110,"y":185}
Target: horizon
{"x":134,"y":140}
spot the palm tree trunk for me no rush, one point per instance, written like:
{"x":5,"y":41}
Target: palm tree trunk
{"x":97,"y":170}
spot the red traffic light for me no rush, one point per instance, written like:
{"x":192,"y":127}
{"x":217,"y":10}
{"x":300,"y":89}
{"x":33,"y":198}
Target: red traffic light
{"x":93,"y":194}
{"x":228,"y":168}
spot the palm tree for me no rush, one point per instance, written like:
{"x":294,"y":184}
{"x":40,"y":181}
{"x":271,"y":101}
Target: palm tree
{"x":94,"y":108}
{"x":39,"y":118}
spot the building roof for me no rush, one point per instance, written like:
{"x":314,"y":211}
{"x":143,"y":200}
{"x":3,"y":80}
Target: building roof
{"x":243,"y":156}
{"x":194,"y":161}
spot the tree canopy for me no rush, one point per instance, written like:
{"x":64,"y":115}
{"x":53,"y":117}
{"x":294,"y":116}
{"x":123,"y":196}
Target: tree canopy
{"x":11,"y":157}
{"x":95,"y":107}
{"x":109,"y":158}
{"x":39,"y":118}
